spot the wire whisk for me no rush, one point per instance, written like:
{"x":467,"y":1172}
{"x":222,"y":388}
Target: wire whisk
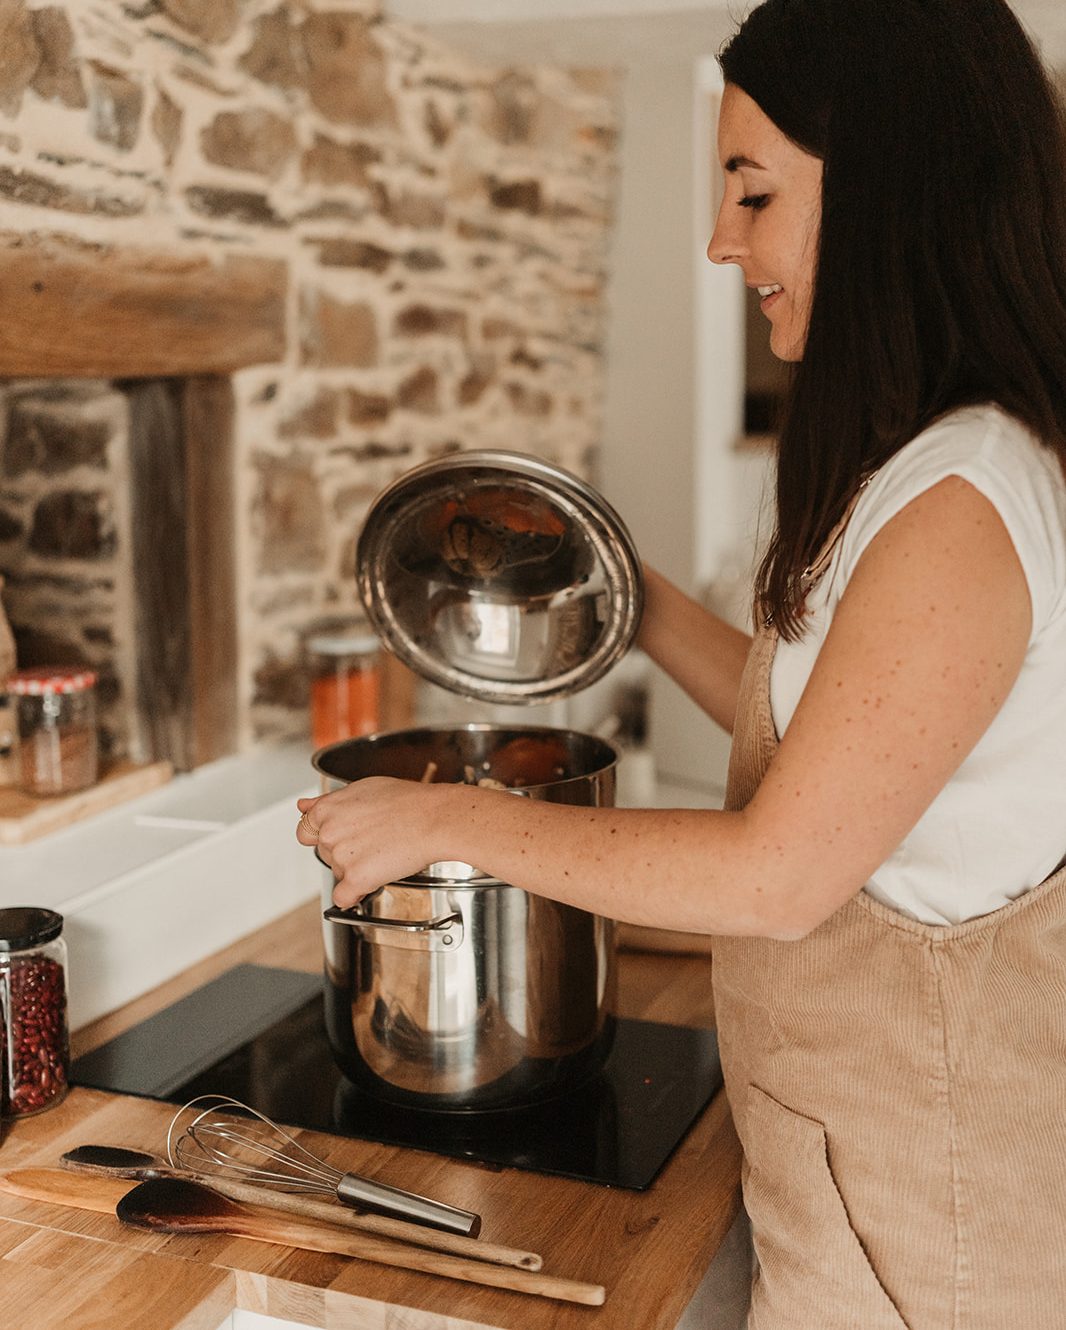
{"x":215,"y":1134}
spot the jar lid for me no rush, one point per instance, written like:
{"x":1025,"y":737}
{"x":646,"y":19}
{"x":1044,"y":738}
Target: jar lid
{"x":25,"y":926}
{"x":500,"y":576}
{"x":35,"y":683}
{"x":337,"y":644}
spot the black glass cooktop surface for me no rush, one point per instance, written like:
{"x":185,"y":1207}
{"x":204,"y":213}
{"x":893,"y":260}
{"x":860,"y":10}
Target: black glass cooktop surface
{"x":258,"y":1034}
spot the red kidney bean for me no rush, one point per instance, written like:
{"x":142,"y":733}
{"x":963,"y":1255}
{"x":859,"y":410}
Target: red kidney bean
{"x":35,"y":1066}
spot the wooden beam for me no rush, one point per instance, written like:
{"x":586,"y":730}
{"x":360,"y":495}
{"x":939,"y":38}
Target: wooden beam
{"x":211,"y":563}
{"x":74,"y":309}
{"x":181,"y":473}
{"x":159,"y":552}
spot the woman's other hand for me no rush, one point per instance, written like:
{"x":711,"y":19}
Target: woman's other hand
{"x":700,"y":651}
{"x":374,"y":831}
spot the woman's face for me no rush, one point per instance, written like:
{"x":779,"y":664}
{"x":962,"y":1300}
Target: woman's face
{"x":770,"y":217}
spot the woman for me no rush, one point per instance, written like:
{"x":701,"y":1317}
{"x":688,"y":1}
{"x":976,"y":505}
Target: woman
{"x":884,"y":884}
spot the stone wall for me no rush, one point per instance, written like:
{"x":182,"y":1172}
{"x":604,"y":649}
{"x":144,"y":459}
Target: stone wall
{"x":445,"y":231}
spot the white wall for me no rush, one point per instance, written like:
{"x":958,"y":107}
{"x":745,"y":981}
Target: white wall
{"x":674,"y":369}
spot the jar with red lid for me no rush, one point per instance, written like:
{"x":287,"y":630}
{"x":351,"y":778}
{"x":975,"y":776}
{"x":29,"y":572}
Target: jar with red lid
{"x":34,"y":1039}
{"x":55,"y":717}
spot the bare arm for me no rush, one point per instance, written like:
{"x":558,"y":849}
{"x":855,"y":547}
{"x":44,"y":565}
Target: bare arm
{"x":924,"y":647}
{"x":702,"y":653}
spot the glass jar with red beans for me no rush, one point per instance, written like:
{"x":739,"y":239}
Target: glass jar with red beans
{"x":34,"y":1043}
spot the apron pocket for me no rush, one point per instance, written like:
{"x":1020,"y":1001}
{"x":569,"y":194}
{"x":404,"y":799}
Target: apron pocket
{"x":813,"y":1272}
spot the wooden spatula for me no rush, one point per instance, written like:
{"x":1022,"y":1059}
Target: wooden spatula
{"x":119,"y":1162}
{"x":172,"y":1205}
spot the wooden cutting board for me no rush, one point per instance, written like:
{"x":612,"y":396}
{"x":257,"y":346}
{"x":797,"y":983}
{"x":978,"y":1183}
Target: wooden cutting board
{"x":24,"y":818}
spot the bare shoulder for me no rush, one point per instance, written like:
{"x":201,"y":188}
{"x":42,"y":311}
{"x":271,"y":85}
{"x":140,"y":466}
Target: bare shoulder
{"x":944,"y":554}
{"x":925,"y":645}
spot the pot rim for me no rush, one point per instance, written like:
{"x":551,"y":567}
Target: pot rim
{"x":473,"y":727}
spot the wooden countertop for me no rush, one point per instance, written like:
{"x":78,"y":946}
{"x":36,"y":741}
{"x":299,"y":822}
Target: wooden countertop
{"x":66,"y":1269}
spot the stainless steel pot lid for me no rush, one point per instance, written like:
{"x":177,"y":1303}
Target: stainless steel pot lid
{"x":500,"y":576}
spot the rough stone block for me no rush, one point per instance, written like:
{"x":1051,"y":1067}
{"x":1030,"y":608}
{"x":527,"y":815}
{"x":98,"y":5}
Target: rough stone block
{"x":235,"y":205}
{"x":367,"y":408}
{"x":282,"y":683}
{"x":347,"y":78}
{"x":290,"y":520}
{"x":115,"y":105}
{"x":335,"y":332}
{"x":420,"y":212}
{"x":327,"y":162}
{"x":20,"y":54}
{"x":518,"y":195}
{"x":529,"y":401}
{"x":316,"y":419}
{"x":342,"y":253}
{"x":39,"y":192}
{"x":474,"y":383}
{"x":254,"y":140}
{"x":275,"y":54}
{"x":40,"y":441}
{"x":167,"y":117}
{"x":424,"y":320}
{"x":211,"y":20}
{"x":423,"y":260}
{"x":420,"y":392}
{"x":73,"y":524}
{"x":58,"y":77}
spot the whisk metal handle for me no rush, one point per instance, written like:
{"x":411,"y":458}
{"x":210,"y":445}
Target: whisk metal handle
{"x":380,"y":1198}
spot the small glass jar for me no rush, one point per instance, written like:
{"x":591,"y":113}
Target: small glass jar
{"x":345,"y":687}
{"x":56,"y":727}
{"x":34,"y":1040}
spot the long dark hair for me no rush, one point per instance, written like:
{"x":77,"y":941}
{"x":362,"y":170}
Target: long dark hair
{"x":941,"y":270}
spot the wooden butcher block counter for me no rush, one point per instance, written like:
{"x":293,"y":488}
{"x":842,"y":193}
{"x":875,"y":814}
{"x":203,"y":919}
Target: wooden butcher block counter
{"x":67,"y":1269}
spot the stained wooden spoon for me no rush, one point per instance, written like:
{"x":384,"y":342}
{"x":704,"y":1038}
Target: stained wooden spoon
{"x":172,"y":1205}
{"x":115,"y":1161}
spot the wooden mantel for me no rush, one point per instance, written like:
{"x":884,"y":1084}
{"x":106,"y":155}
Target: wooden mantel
{"x":76,"y":309}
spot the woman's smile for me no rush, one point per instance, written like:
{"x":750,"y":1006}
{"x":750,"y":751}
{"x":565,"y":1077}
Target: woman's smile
{"x":768,"y":296}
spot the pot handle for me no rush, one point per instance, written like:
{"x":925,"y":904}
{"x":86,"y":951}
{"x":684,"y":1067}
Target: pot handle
{"x":444,"y":932}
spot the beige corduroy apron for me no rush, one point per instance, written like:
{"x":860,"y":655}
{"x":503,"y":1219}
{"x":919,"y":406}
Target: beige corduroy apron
{"x":900,"y":1093}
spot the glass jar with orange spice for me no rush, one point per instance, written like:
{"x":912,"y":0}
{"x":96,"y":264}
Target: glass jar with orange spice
{"x":345,"y":687}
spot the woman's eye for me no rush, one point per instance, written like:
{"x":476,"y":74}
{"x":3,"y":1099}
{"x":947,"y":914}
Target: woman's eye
{"x":755,"y":201}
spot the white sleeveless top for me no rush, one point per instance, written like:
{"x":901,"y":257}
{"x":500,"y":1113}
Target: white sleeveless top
{"x":999,"y":826}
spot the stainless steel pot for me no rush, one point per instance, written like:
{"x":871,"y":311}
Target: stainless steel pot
{"x":453,"y":990}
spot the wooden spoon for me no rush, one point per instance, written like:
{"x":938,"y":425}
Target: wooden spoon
{"x":172,"y":1205}
{"x":115,"y":1161}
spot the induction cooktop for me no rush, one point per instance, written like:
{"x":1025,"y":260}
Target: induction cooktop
{"x":258,"y":1033}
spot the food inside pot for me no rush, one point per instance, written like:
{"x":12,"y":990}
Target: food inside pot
{"x":486,"y":782}
{"x":537,"y":759}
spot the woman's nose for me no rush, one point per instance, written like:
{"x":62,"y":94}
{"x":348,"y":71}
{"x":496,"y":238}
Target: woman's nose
{"x":725,"y":245}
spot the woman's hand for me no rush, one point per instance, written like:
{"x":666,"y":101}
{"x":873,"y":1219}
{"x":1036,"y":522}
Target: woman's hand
{"x":702,"y":653}
{"x":374,"y":831}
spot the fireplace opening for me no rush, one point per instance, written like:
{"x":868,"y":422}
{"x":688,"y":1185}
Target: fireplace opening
{"x":117,"y":553}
